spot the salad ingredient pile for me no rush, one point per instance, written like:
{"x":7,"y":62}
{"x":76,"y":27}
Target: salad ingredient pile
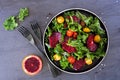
{"x":75,"y":40}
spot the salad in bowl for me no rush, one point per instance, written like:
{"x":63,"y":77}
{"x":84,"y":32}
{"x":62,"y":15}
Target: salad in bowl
{"x":75,"y":41}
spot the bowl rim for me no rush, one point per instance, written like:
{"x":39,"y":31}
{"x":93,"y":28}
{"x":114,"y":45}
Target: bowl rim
{"x":88,"y":11}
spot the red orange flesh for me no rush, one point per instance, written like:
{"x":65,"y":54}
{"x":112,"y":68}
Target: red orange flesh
{"x":32,"y":65}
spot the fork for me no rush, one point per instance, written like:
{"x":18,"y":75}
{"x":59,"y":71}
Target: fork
{"x":37,"y":31}
{"x":26,"y":33}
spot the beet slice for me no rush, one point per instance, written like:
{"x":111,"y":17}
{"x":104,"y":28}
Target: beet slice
{"x":54,"y":39}
{"x":78,"y":64}
{"x":76,"y":19}
{"x":66,"y":38}
{"x":90,"y":38}
{"x":65,"y":25}
{"x":67,"y":48}
{"x":91,"y":45}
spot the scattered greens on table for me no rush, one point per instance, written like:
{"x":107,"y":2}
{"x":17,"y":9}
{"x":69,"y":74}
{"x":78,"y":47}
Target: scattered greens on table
{"x":80,"y":42}
{"x":22,"y":14}
{"x":11,"y":22}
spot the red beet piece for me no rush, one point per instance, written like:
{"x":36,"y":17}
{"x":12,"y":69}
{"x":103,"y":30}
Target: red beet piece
{"x":54,"y":39}
{"x":65,"y":25}
{"x":91,"y":45}
{"x":66,"y":38}
{"x":75,"y":18}
{"x":67,"y":48}
{"x":68,"y":17}
{"x":78,"y":64}
{"x":90,"y":38}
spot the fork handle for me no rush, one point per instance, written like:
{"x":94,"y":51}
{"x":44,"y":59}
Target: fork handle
{"x":53,"y":70}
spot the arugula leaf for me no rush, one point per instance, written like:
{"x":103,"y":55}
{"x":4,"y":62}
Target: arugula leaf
{"x":48,"y":34}
{"x":80,"y":15}
{"x":79,"y":55}
{"x":90,"y":56}
{"x":64,"y":62}
{"x":84,"y":37}
{"x":95,"y":27}
{"x":88,"y":20}
{"x":84,"y":49}
{"x":79,"y":28}
{"x":81,"y":51}
{"x":102,"y":41}
{"x":49,"y":31}
{"x":10,"y":23}
{"x":74,"y":43}
{"x":71,"y":19}
{"x":81,"y":39}
{"x":74,"y":26}
{"x":22,"y":14}
{"x":58,"y":49}
{"x":69,"y":13}
{"x":71,"y":66}
{"x":65,"y":54}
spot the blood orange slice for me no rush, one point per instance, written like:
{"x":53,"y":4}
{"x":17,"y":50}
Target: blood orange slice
{"x":32,"y":65}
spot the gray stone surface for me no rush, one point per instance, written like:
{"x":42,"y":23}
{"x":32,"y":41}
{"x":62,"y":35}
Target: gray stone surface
{"x":13,"y":47}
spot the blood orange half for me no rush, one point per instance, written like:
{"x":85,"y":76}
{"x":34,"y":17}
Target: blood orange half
{"x":32,"y":65}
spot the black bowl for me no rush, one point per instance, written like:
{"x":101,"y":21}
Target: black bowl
{"x":86,"y":68}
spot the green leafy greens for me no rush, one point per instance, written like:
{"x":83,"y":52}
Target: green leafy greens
{"x":10,"y":23}
{"x":58,"y":49}
{"x":22,"y":14}
{"x":80,"y":42}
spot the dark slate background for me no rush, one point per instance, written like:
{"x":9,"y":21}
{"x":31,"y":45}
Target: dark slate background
{"x":13,"y":47}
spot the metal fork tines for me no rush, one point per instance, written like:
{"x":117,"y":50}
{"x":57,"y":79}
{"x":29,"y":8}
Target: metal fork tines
{"x":36,"y":28}
{"x":26,"y":33}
